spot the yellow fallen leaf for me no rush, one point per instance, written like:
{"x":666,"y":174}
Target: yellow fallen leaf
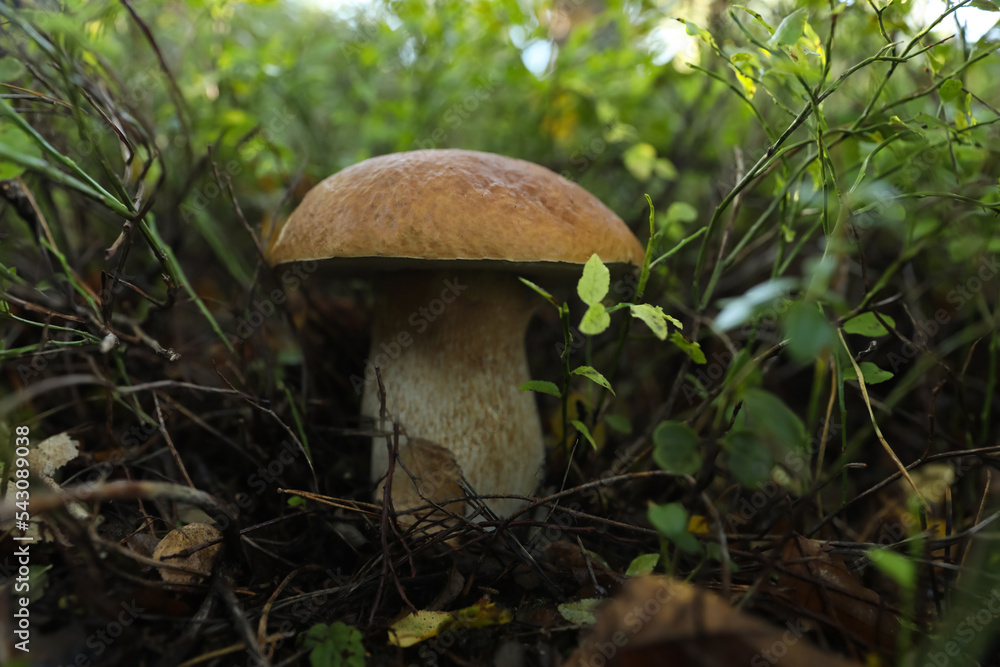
{"x":479,"y":615}
{"x":424,"y":625}
{"x":418,"y":627}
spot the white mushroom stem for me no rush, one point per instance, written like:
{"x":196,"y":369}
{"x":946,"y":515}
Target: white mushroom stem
{"x":450,"y":349}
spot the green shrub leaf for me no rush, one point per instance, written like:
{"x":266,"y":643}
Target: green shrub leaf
{"x":774,"y":422}
{"x":334,"y":645}
{"x":584,"y":431}
{"x":595,"y":281}
{"x":750,"y":461}
{"x":655,"y":318}
{"x":672,"y":521}
{"x":866,"y":324}
{"x":619,"y":423}
{"x":642,"y":565}
{"x":688,"y":347}
{"x":808,"y":331}
{"x":596,"y":320}
{"x":594,"y":376}
{"x":676,"y":448}
{"x":542,"y":387}
{"x":871,"y":373}
{"x":790,"y":30}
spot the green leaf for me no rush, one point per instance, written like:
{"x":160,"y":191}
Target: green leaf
{"x":334,"y":645}
{"x":596,"y":320}
{"x":676,"y":448}
{"x":950,"y":90}
{"x":18,"y":143}
{"x":986,"y":5}
{"x":642,"y":565}
{"x":594,"y":376}
{"x":871,"y":373}
{"x":773,"y":421}
{"x":866,"y":324}
{"x":680,"y":211}
{"x":619,"y":423}
{"x":808,"y":331}
{"x":655,"y":318}
{"x":790,"y":29}
{"x":897,"y":566}
{"x":688,"y":347}
{"x":594,"y":283}
{"x":665,"y":169}
{"x":923,"y":119}
{"x":584,"y":431}
{"x":672,"y":521}
{"x":757,"y":18}
{"x":542,"y":387}
{"x":750,"y":461}
{"x":640,"y":160}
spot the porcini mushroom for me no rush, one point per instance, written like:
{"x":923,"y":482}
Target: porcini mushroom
{"x":448,"y":232}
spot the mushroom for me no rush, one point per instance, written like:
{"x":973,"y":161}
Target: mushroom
{"x":447,"y":232}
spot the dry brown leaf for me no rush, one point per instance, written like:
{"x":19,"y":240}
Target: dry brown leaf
{"x":51,"y":454}
{"x":813,"y":578}
{"x":184,"y":538}
{"x":435,"y":476}
{"x":662,"y":621}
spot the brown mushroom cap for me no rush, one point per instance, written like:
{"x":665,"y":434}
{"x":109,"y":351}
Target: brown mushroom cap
{"x":439,"y":205}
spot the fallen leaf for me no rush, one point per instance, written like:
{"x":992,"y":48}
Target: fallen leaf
{"x":433,"y":477}
{"x":423,"y":625}
{"x":53,"y":453}
{"x":813,"y":578}
{"x":198,"y":563}
{"x":657,"y":620}
{"x":418,"y":627}
{"x":580,"y":612}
